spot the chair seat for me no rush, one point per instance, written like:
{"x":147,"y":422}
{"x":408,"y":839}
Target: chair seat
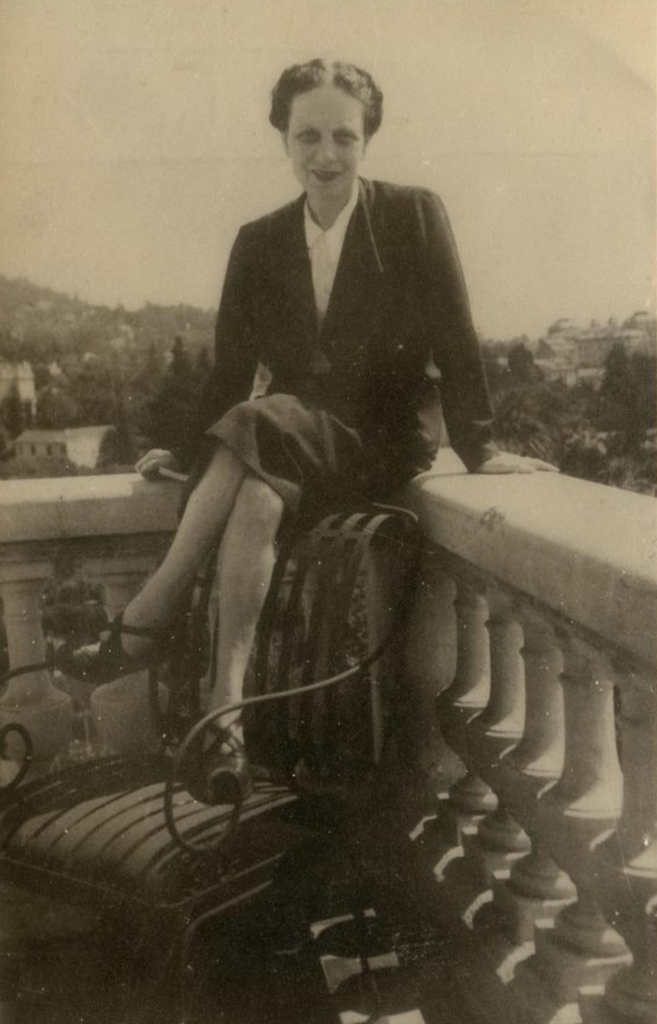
{"x":101,"y":828}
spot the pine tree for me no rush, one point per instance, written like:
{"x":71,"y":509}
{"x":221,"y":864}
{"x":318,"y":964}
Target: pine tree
{"x":125,"y":446}
{"x":202,"y":367}
{"x":12,"y":413}
{"x":173,"y":410}
{"x":56,"y":408}
{"x":521,"y":364}
{"x":181,"y":366}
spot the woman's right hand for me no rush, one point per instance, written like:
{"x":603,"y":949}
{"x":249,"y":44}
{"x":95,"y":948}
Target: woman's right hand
{"x":150,"y":463}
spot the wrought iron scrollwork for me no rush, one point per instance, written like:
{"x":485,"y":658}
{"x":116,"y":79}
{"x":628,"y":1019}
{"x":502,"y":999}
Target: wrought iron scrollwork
{"x":27,"y":751}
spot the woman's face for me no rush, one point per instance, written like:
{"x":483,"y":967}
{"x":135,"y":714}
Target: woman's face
{"x":326,"y":143}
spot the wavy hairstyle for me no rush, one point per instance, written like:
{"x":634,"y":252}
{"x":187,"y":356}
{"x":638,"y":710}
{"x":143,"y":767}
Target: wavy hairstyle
{"x":300,"y":78}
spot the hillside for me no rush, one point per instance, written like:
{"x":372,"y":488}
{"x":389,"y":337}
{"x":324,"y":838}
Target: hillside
{"x":39,"y":324}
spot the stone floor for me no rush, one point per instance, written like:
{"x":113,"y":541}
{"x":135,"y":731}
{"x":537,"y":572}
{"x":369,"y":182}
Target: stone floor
{"x":429,"y":966}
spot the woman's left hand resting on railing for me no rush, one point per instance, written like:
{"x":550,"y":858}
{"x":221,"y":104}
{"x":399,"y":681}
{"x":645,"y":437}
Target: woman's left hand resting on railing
{"x":508,"y":462}
{"x":157,"y":458}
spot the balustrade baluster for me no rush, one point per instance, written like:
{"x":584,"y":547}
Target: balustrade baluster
{"x":537,"y":887}
{"x":468,"y":695}
{"x":500,"y":726}
{"x":121,"y":709}
{"x":470,"y":690}
{"x":500,"y":839}
{"x":31,"y":699}
{"x":430,"y":666}
{"x":539,"y":755}
{"x":629,"y":865}
{"x":574,"y":817}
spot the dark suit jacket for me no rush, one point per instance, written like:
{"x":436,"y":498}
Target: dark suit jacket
{"x":398,"y":301}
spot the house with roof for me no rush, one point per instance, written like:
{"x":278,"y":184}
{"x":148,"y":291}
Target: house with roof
{"x":570,"y":353}
{"x":556,"y":354}
{"x":80,"y":445}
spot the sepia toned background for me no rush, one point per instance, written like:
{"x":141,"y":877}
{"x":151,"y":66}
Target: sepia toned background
{"x":134,"y":141}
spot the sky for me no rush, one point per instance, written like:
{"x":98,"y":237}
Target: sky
{"x":134,"y":141}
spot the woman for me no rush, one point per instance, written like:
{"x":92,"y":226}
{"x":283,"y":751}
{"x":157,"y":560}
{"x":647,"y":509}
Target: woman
{"x":353,"y":297}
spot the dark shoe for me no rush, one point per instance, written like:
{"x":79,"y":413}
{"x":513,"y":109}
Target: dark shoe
{"x":105,"y":661}
{"x":217,"y":776}
{"x":228,"y":778}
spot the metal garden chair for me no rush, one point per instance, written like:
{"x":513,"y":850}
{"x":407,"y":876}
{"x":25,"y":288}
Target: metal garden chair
{"x":129,"y":841}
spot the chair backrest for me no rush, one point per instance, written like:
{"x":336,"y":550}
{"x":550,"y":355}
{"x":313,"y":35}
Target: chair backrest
{"x":318,"y":624}
{"x":311,"y":711}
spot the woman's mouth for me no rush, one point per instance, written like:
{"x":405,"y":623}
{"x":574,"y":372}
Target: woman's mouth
{"x":326,"y":176}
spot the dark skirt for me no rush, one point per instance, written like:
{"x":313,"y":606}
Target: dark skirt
{"x":315,"y":462}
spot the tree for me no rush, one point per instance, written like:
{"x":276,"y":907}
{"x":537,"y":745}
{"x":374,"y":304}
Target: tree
{"x":628,"y":395}
{"x":56,"y":408}
{"x":5,"y":448}
{"x":529,"y":420}
{"x":202,"y":366}
{"x":181,"y":366}
{"x":125,"y":447}
{"x":91,"y":387}
{"x":10,"y":347}
{"x":12,"y":412}
{"x":144,"y":385}
{"x":617,"y":380}
{"x":173,"y":409}
{"x":149,"y":375}
{"x":521,"y":364}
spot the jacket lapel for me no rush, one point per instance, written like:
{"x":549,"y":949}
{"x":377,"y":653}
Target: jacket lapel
{"x":295,"y":271}
{"x":357,"y":280}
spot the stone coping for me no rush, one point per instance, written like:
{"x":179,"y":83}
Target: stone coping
{"x":586,"y":550}
{"x":86,"y":506}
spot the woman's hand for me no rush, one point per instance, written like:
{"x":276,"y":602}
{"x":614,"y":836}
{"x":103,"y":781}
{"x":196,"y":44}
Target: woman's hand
{"x":507,"y":462}
{"x":150,"y":463}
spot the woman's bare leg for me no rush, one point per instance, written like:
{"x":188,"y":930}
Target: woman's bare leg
{"x":245,"y":565}
{"x":204,"y":519}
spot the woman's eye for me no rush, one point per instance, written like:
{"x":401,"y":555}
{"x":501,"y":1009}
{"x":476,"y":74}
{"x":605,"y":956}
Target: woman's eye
{"x":308,"y":137}
{"x":344,"y":139}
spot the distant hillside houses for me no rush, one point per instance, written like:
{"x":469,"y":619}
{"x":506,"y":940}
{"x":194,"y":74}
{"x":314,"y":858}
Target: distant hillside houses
{"x":569,"y":353}
{"x":80,"y":445}
{"x":52,"y":322}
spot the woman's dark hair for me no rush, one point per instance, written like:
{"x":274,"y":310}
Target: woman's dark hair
{"x":302,"y":78}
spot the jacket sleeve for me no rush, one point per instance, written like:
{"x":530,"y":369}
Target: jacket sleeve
{"x":235,"y":354}
{"x":455,"y":346}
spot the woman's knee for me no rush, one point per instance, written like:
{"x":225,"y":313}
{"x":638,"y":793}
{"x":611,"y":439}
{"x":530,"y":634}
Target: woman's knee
{"x":258,"y":504}
{"x":221,"y":459}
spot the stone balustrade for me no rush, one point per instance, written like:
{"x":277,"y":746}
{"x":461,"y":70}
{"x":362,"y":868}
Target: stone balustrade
{"x":533,"y":637}
{"x":116,"y":526}
{"x":551,"y":707}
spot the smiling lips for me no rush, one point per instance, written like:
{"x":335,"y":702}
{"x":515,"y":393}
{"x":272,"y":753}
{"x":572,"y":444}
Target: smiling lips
{"x":326,"y":176}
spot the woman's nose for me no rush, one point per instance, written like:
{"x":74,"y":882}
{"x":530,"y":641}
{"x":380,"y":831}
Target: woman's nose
{"x":326,"y":150}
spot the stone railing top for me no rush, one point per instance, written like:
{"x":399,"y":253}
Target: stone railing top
{"x":85,"y":506}
{"x":585,"y":550}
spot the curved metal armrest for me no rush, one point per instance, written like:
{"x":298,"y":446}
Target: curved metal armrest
{"x":209,"y":723}
{"x":27,"y":756}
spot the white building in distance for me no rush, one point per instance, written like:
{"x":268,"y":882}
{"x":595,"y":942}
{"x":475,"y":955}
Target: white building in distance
{"x":81,"y":445}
